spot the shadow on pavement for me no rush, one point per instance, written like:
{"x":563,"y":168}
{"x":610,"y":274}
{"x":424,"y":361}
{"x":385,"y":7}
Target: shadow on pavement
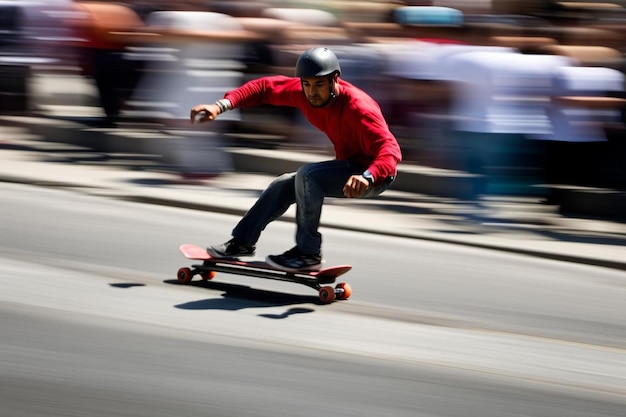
{"x":238,"y":297}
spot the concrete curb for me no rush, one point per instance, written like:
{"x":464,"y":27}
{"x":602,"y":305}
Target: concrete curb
{"x":511,"y":247}
{"x":565,"y":257}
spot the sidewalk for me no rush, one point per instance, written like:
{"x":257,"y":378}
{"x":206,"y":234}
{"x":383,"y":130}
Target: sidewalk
{"x":50,"y":152}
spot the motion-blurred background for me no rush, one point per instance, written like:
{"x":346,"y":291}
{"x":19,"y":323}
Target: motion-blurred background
{"x":527,"y":94}
{"x":508,"y":113}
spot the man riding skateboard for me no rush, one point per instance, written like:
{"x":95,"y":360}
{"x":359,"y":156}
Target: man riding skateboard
{"x":365,"y":164}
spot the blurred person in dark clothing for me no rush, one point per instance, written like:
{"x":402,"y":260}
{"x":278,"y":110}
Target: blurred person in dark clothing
{"x":103,"y":54}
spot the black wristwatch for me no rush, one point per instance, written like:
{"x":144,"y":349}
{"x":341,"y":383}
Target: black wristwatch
{"x":369,"y":177}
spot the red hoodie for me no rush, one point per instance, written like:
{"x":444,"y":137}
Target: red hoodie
{"x":352,"y":121}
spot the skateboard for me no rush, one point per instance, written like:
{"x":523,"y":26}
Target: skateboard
{"x":317,"y":280}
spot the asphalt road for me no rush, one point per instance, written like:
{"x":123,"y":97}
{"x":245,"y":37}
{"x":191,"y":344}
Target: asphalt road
{"x":93,"y":324}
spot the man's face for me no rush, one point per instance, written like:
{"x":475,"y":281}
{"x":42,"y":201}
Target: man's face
{"x":316,"y":90}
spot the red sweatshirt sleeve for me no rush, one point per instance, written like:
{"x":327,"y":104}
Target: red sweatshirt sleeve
{"x":365,"y":139}
{"x":276,"y":90}
{"x":382,"y":145}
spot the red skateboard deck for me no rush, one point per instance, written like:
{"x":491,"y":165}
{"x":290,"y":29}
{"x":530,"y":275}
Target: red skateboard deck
{"x":260,"y":269}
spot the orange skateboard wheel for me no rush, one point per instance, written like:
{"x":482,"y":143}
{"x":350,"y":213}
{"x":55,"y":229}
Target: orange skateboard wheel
{"x":208,"y":275}
{"x":327,"y":294}
{"x":184,"y":275}
{"x":343,"y":290}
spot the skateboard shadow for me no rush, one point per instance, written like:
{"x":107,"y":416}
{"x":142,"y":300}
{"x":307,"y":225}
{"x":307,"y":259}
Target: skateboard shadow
{"x":238,"y":297}
{"x":287,"y":313}
{"x":125,"y":285}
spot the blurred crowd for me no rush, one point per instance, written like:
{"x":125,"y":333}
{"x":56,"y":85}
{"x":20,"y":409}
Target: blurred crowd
{"x":530,"y":89}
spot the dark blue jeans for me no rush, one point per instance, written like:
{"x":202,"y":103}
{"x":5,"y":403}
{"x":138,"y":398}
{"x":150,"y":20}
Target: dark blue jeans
{"x":307,"y":188}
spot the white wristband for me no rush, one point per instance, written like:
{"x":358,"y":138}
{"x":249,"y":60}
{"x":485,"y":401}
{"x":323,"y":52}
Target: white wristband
{"x":224,"y":105}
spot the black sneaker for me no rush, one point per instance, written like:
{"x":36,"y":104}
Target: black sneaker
{"x":231,"y":249}
{"x":293,"y":261}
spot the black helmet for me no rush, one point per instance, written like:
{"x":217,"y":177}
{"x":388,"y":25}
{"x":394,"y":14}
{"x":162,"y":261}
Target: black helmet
{"x":317,"y":62}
